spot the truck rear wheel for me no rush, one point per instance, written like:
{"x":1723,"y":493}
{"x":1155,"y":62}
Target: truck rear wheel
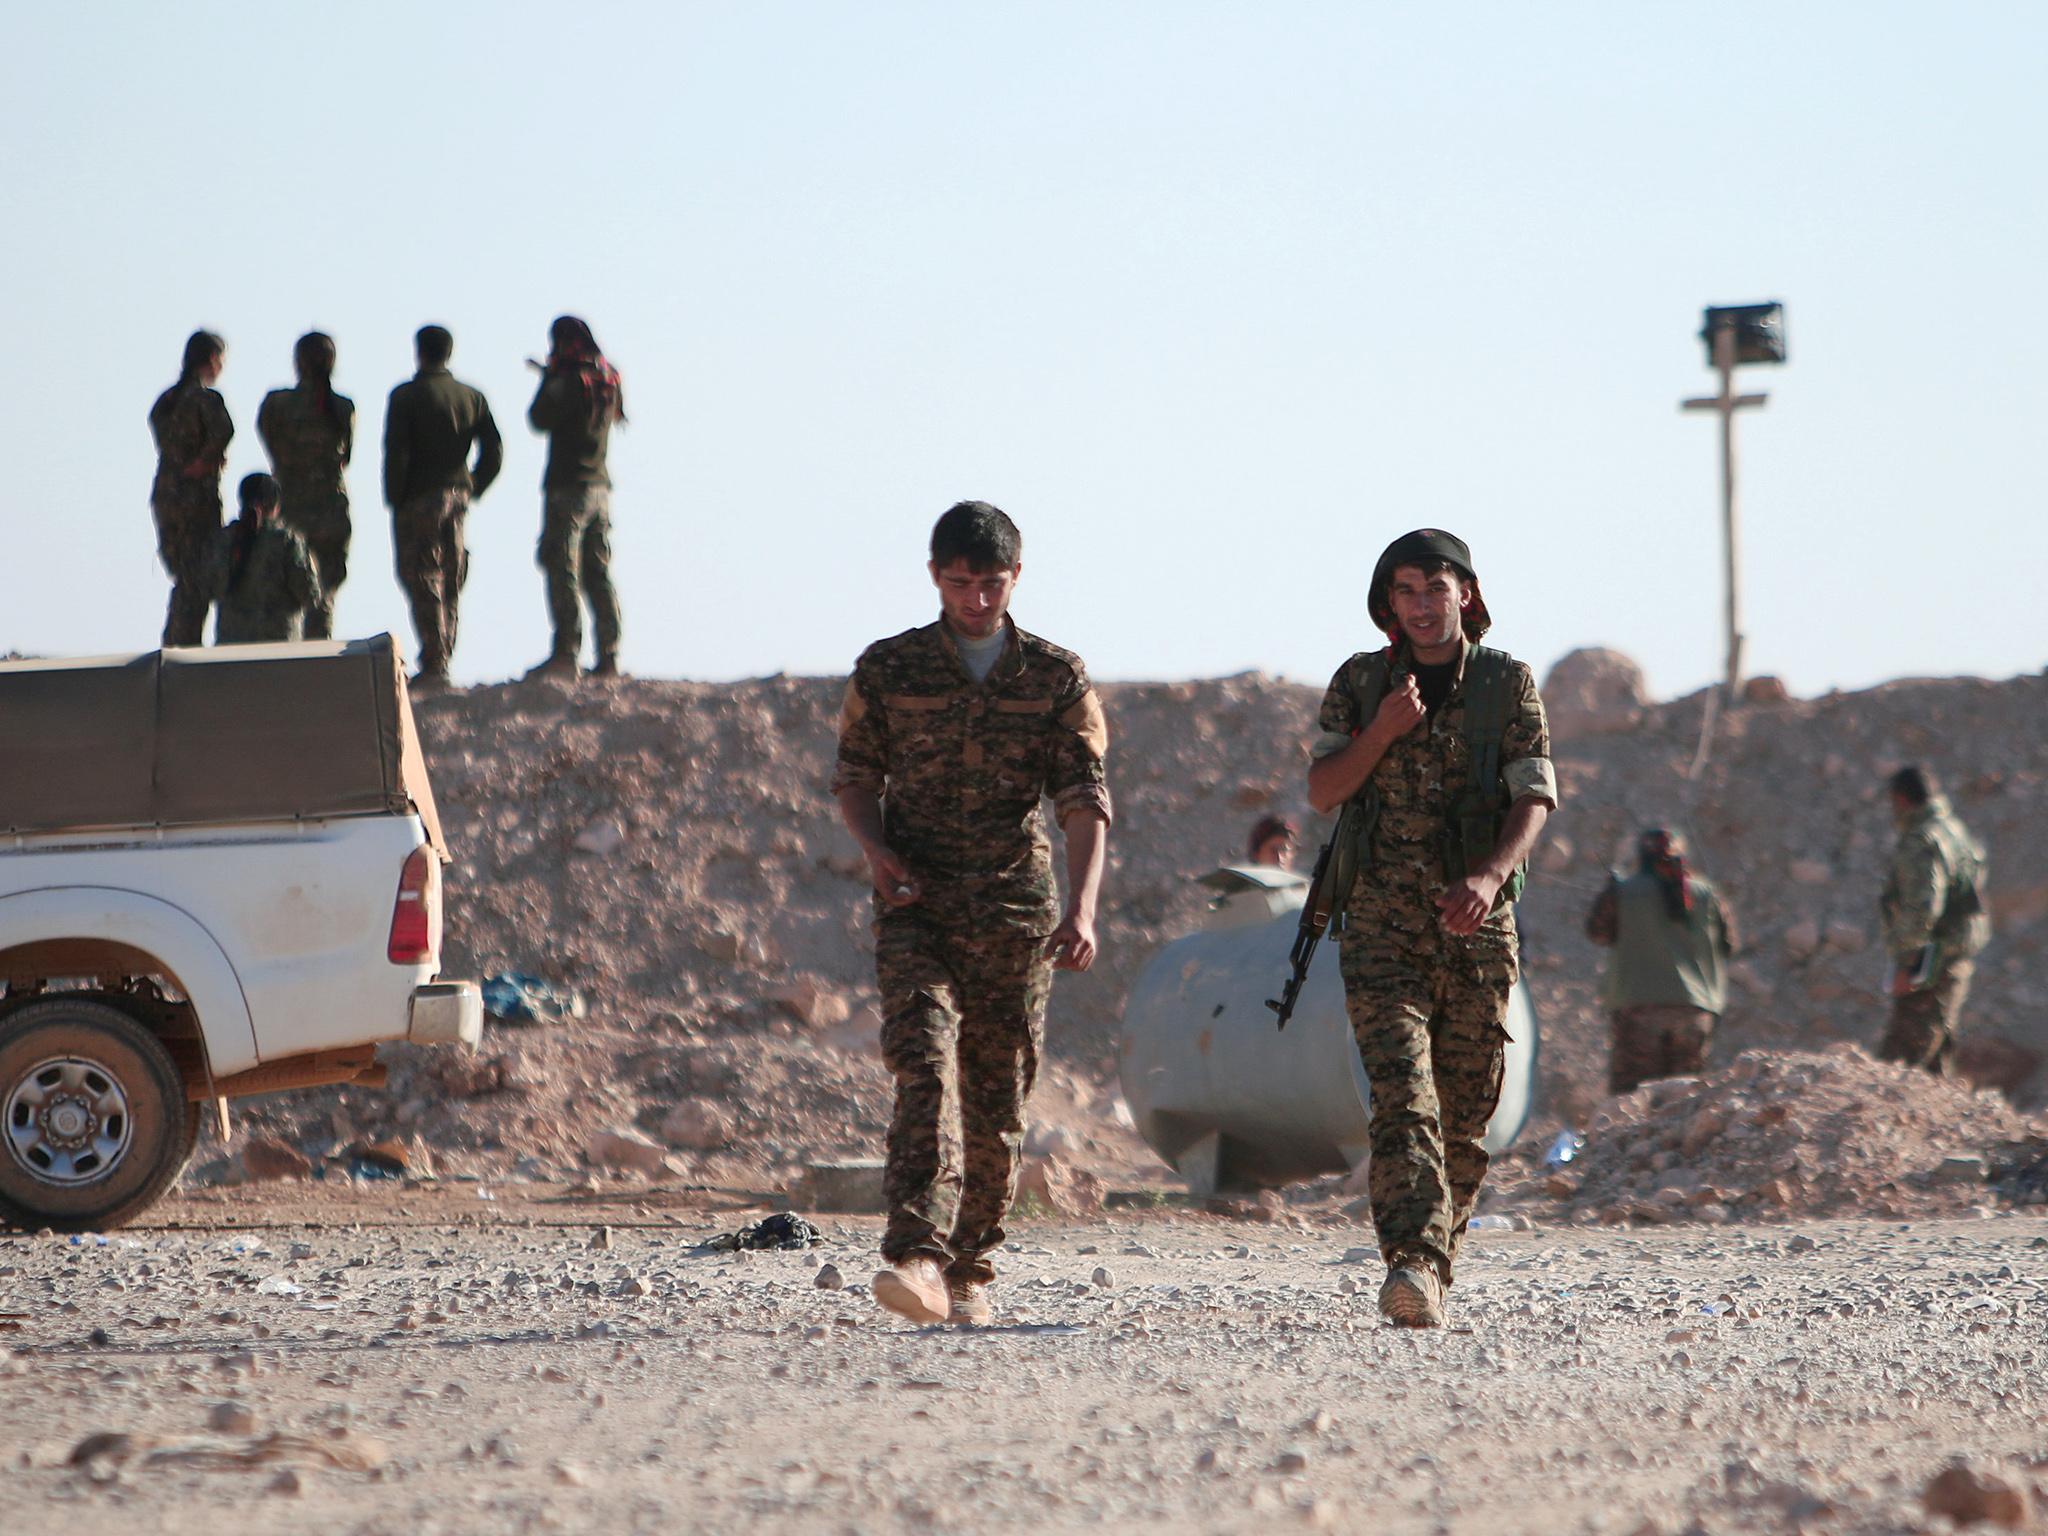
{"x":94,"y":1124}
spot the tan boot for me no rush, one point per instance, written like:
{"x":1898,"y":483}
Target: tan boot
{"x":969,"y":1300}
{"x":915,"y":1289}
{"x":1413,"y":1296}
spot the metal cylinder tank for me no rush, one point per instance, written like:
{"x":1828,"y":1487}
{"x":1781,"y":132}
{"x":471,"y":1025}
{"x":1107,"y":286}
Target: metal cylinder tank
{"x":1229,"y":1101}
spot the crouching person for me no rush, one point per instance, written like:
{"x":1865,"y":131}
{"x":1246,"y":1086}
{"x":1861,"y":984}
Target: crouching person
{"x":260,"y":572}
{"x":949,"y":737}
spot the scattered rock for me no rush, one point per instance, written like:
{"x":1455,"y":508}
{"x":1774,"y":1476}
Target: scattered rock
{"x":1970,"y":1497}
{"x":1102,"y":1278}
{"x":602,"y":838}
{"x":697,"y":1124}
{"x":623,"y":1150}
{"x":231,"y":1418}
{"x":264,"y":1157}
{"x":828,"y":1278}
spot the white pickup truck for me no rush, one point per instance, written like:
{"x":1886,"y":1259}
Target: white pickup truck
{"x":220,"y":874}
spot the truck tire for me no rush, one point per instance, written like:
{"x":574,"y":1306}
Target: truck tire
{"x":94,"y":1124}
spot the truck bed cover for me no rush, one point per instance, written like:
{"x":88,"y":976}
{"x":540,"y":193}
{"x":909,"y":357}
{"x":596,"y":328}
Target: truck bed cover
{"x":238,"y":733}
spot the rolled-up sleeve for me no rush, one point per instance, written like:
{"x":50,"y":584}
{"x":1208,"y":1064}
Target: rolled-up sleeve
{"x":1078,"y":778}
{"x":863,"y":761}
{"x":1337,"y":721}
{"x":1525,"y":745}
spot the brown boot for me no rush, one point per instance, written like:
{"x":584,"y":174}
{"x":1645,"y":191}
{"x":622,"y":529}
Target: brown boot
{"x":1413,"y":1296}
{"x":915,"y":1289}
{"x":969,"y":1303}
{"x":607,"y":664}
{"x":557,"y":666}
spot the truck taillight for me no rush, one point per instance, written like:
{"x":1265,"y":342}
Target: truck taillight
{"x":416,"y":916}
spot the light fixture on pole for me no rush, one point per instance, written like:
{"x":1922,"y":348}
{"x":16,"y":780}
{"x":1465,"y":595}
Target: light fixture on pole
{"x":1736,"y":334}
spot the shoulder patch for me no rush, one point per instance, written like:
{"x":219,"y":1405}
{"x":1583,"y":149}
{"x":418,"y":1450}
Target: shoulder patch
{"x":1085,"y":719}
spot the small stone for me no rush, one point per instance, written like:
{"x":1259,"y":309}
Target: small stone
{"x":265,"y":1157}
{"x":1103,"y":1278}
{"x":639,"y":1285}
{"x":231,"y":1418}
{"x":602,"y":838}
{"x":1968,"y":1496}
{"x":1810,"y":871}
{"x":288,"y":1484}
{"x":569,"y":1475}
{"x":620,"y":1149}
{"x":828,"y":1278}
{"x":1293,"y":1459}
{"x":697,"y":1125}
{"x":1960,"y":1170}
{"x":601,"y":1239}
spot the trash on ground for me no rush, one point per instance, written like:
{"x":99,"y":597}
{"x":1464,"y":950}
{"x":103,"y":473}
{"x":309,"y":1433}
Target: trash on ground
{"x":784,"y":1230}
{"x":514,"y":997}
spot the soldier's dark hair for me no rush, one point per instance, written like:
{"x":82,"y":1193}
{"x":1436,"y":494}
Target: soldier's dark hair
{"x":201,"y":348}
{"x":313,"y":357}
{"x":435,"y":344}
{"x":255,"y":491}
{"x":1914,"y":785}
{"x":978,"y":533}
{"x":258,"y":490}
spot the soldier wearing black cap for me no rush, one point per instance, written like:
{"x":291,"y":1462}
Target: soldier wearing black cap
{"x":1444,"y":744}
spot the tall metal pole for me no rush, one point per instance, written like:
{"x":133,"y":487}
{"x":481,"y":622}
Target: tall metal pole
{"x":1731,"y":526}
{"x":1726,"y":404}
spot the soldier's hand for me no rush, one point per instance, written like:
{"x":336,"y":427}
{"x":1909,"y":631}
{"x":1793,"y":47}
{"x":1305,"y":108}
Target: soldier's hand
{"x":1401,"y":710}
{"x":1463,"y":907}
{"x":893,"y":880}
{"x":1072,"y":945}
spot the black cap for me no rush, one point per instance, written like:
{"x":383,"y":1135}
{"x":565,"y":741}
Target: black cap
{"x":1426,"y":546}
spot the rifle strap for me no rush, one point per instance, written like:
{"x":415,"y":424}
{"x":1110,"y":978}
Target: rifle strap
{"x":1486,"y":716}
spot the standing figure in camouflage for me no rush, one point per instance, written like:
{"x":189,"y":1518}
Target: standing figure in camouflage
{"x":433,"y":422}
{"x":950,"y":736}
{"x":1667,"y":979}
{"x":310,"y":432}
{"x":260,"y":572}
{"x":579,"y":398}
{"x":1934,"y":923}
{"x":190,"y":424}
{"x":1443,"y":741}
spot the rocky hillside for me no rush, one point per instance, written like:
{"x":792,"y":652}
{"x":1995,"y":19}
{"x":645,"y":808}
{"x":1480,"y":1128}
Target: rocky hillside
{"x":668,"y":850}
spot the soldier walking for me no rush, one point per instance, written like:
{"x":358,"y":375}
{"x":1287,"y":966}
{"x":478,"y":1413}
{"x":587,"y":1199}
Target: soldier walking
{"x":949,"y":736}
{"x":310,"y":432}
{"x":1934,"y":923}
{"x":190,"y":424}
{"x":430,"y":427}
{"x":260,"y":572}
{"x":579,"y":398}
{"x":1667,"y":979}
{"x":1445,"y":744}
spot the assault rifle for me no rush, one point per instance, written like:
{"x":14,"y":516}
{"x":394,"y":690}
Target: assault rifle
{"x":1329,"y":887}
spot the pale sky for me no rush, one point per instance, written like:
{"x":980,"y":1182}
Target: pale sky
{"x":1214,"y":299}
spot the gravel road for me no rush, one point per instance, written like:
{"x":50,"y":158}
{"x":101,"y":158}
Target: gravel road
{"x":504,"y":1374}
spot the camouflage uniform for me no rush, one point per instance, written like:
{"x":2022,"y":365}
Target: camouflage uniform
{"x":963,"y":972}
{"x":192,"y":431}
{"x":310,"y":441}
{"x":1666,"y":985}
{"x":1933,"y":901}
{"x":576,"y":519}
{"x":430,"y":426}
{"x":1427,"y":1006}
{"x":277,"y":587}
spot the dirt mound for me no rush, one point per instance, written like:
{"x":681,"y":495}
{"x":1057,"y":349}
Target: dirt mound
{"x":1781,"y":1134}
{"x":668,"y":850}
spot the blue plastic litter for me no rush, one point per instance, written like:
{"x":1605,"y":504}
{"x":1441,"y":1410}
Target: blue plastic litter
{"x":513,"y":997}
{"x":1569,"y":1144}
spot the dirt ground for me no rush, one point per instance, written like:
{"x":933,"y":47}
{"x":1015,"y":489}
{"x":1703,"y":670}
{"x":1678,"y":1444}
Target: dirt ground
{"x":428,"y":1360}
